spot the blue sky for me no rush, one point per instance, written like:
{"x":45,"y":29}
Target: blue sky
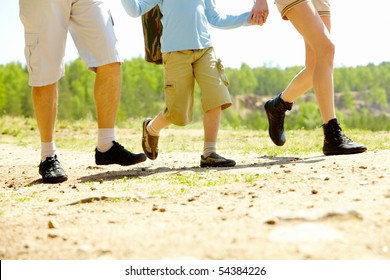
{"x":360,"y":31}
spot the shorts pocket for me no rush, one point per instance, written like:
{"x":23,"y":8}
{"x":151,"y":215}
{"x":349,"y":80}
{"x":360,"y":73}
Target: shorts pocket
{"x":165,"y":57}
{"x":111,"y":18}
{"x":31,"y":51}
{"x":222,"y":73}
{"x":170,"y":95}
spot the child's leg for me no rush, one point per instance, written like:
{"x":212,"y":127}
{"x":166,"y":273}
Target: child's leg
{"x":210,"y":158}
{"x":211,"y":121}
{"x":157,"y":124}
{"x":178,"y":90}
{"x":150,"y":134}
{"x":215,"y":98}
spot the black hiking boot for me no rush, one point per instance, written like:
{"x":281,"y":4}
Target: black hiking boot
{"x":117,"y":154}
{"x":276,"y":109}
{"x":336,"y":143}
{"x":51,"y":171}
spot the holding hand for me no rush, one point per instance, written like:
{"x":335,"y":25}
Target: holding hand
{"x":259,"y":13}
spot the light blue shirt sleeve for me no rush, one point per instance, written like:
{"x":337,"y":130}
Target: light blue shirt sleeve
{"x":136,"y":8}
{"x":186,"y":22}
{"x":223,"y":21}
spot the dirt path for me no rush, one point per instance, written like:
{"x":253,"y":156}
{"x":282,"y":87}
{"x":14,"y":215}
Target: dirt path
{"x":298,"y":207}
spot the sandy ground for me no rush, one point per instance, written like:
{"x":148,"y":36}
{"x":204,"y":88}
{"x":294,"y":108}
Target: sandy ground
{"x":298,"y":207}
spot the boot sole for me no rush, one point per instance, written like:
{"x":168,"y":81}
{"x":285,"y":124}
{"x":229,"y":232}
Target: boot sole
{"x":55,"y":180}
{"x":344,"y":152}
{"x":135,"y":161}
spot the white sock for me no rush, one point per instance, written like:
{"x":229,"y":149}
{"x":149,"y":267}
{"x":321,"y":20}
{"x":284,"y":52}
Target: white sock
{"x":48,"y":149}
{"x":105,"y":138}
{"x":208,"y":148}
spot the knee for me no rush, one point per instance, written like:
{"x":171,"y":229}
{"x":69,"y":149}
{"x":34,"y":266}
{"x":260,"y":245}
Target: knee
{"x":328,"y":50}
{"x":331,"y":49}
{"x":108,"y":67}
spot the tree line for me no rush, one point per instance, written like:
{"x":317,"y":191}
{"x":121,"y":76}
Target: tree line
{"x":362,"y":94}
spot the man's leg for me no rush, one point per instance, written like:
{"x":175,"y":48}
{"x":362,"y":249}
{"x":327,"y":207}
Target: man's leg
{"x":107,"y":96}
{"x":45,"y":100}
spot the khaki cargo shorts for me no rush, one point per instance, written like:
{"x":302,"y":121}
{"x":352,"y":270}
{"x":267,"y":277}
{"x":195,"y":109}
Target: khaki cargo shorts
{"x":46,"y":25}
{"x":322,"y":6}
{"x":181,"y":69}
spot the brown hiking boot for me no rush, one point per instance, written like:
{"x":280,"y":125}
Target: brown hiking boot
{"x":149,"y":142}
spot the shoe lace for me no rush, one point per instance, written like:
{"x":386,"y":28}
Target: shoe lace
{"x":343,"y":137}
{"x":122,"y":149}
{"x":118,"y":146}
{"x":280,"y":114}
{"x":339,"y":135}
{"x":51,"y":164}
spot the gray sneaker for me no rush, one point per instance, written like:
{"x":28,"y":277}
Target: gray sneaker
{"x":149,"y":142}
{"x":215,"y":160}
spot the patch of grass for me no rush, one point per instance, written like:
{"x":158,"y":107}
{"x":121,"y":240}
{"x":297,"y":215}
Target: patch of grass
{"x":18,"y":198}
{"x":82,"y":136}
{"x":248,"y":178}
{"x":200,"y":180}
{"x":88,"y":183}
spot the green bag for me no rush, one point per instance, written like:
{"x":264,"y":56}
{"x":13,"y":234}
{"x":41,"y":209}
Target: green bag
{"x":152,"y":29}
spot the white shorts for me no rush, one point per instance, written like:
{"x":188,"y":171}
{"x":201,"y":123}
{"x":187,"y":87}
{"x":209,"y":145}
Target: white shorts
{"x":46,"y":25}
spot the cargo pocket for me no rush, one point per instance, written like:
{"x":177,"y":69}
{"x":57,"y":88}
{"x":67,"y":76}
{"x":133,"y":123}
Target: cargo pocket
{"x":221,"y":71}
{"x":170,"y":95}
{"x":165,"y":57}
{"x":111,"y":18}
{"x":31,"y":51}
